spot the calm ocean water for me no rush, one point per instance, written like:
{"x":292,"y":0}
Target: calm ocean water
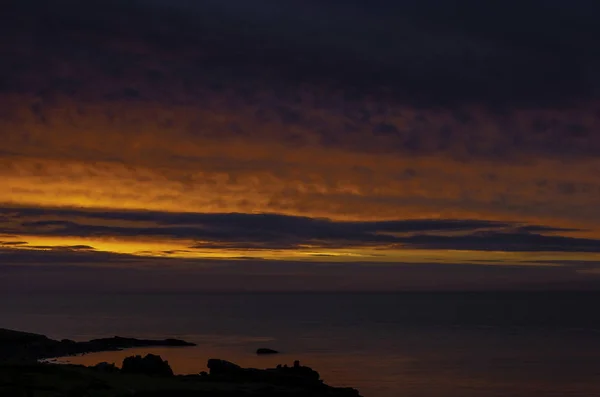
{"x":386,"y":345}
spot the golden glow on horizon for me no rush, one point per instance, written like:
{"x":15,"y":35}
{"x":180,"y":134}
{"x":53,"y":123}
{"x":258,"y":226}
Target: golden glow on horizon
{"x":180,"y":249}
{"x":132,"y":162}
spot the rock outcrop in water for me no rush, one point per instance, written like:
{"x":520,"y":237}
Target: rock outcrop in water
{"x":266,"y":351}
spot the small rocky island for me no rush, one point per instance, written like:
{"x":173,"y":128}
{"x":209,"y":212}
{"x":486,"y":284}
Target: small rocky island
{"x":22,"y":375}
{"x":266,"y":351}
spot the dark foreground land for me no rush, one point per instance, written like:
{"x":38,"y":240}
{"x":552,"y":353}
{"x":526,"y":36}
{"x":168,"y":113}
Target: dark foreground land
{"x":17,"y":346}
{"x":21,"y":375}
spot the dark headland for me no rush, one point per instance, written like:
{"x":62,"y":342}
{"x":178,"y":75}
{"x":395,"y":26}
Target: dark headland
{"x":23,"y":375}
{"x":24,"y":346}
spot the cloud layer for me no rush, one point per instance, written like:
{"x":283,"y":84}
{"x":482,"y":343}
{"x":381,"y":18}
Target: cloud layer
{"x":300,"y":130}
{"x":258,"y":232}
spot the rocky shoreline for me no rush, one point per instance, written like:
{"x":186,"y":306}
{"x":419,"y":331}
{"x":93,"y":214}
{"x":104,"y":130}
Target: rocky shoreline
{"x":17,"y":346}
{"x":22,"y":375}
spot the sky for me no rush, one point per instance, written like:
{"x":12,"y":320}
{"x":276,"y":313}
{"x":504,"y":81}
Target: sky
{"x":262,"y":145}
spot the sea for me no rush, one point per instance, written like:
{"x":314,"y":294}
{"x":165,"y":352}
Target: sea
{"x":408,"y":344}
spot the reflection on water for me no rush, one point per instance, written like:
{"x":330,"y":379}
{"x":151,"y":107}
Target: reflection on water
{"x":385,"y":345}
{"x":339,"y":370}
{"x":394,"y":375}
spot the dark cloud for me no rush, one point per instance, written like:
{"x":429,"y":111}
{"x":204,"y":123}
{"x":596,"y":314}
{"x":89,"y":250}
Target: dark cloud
{"x":420,"y":51}
{"x":579,"y":264}
{"x":543,"y":229}
{"x":339,"y":71}
{"x":505,"y":241}
{"x":61,"y":248}
{"x":248,"y":231}
{"x":61,"y":255}
{"x":236,"y":231}
{"x":12,"y":243}
{"x":273,"y":222}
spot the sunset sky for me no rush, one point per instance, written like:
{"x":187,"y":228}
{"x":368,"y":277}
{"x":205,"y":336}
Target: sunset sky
{"x":263,"y":145}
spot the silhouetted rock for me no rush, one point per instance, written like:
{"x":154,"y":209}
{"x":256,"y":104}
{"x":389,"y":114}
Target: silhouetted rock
{"x":41,"y":380}
{"x":24,"y":346}
{"x":291,"y":376}
{"x":303,"y":380}
{"x":222,"y":367}
{"x":10,"y":337}
{"x":266,"y":351}
{"x":21,"y":374}
{"x":297,"y":373}
{"x":106,"y":367}
{"x":149,"y":365}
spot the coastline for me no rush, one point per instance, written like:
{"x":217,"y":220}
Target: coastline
{"x":26,"y":369}
{"x":26,"y":346}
